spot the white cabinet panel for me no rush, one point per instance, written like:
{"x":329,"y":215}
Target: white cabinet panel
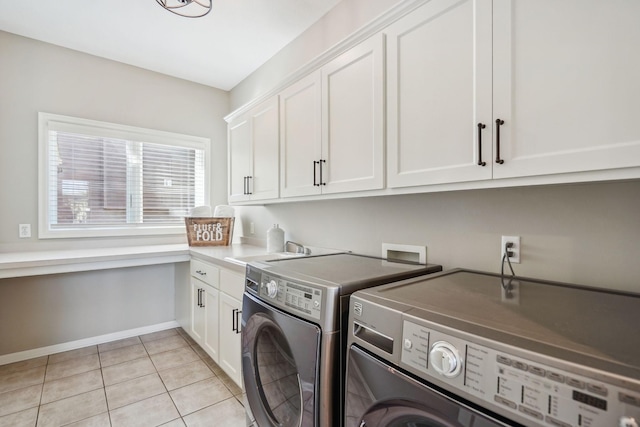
{"x":253,"y":142}
{"x":230,"y":338}
{"x":300,"y":137}
{"x":566,"y":85}
{"x":353,"y":119}
{"x":438,"y":90}
{"x":211,"y":342}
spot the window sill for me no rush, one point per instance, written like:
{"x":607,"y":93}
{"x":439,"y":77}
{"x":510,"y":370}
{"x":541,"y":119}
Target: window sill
{"x":22,"y":264}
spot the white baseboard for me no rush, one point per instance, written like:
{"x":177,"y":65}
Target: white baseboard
{"x":72,"y":345}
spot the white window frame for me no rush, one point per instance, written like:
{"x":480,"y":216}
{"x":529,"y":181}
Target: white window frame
{"x":48,"y":121}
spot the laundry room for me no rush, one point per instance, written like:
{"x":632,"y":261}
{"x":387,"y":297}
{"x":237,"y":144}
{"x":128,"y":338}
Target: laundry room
{"x":492,"y":144}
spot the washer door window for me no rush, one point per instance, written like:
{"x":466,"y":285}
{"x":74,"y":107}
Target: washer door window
{"x":280,"y":363}
{"x":377,"y":395}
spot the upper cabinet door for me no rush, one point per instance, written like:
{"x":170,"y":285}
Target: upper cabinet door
{"x":566,"y":85}
{"x":264,"y":179}
{"x":239,"y":146}
{"x":353,"y":119}
{"x":300,"y":137}
{"x":253,"y":153}
{"x":438,"y":92}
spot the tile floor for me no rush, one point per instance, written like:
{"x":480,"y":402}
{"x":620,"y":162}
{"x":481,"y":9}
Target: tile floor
{"x":159,"y":379}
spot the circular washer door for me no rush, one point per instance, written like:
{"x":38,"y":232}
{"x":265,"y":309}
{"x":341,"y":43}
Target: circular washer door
{"x":280,"y":365}
{"x":379,"y":395}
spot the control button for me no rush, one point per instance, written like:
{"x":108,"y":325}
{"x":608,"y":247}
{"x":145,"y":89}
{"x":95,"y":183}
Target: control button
{"x":597,"y":389}
{"x":445,"y":359}
{"x":316,"y":304}
{"x":519,"y":365}
{"x":530,"y":412}
{"x":573,"y":382}
{"x":504,"y":401}
{"x":503,"y":359}
{"x":555,"y":377}
{"x":628,"y":422}
{"x":537,"y":371}
{"x":627,"y":398}
{"x":555,"y":422}
{"x":408,"y":344}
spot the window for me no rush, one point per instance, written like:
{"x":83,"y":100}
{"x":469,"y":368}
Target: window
{"x":103,"y":179}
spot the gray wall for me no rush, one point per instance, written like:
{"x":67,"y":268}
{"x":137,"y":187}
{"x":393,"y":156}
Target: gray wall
{"x":35,"y":76}
{"x":587,"y":233}
{"x":584,"y":233}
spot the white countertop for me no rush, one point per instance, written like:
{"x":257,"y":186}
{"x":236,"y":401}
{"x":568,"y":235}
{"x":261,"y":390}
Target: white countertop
{"x":36,"y":263}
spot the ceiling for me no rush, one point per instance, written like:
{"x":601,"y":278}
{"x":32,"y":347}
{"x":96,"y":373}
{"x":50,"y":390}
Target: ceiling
{"x":218,"y":50}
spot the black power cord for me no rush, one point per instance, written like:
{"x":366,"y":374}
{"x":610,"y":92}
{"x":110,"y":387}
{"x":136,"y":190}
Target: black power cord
{"x":507,"y":255}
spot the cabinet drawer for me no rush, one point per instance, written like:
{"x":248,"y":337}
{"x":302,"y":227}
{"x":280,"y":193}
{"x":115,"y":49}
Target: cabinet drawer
{"x":205,"y":272}
{"x":232,"y":284}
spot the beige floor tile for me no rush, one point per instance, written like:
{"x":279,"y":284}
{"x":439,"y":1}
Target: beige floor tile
{"x":26,"y":418}
{"x":71,"y":367}
{"x":72,"y":409}
{"x":230,"y":384}
{"x":185,"y":374}
{"x":123,"y":354}
{"x":114,"y":345}
{"x":22,"y":365}
{"x":157,"y":410}
{"x":71,"y":386}
{"x":165,"y":344}
{"x":127,"y":371}
{"x":72,"y":354}
{"x":228,"y":413}
{"x":20,"y":379}
{"x":18,"y":400}
{"x":158,"y":335}
{"x":173,"y":358}
{"x":199,"y":395}
{"x":176,"y":423}
{"x":135,"y":390}
{"x":101,"y":420}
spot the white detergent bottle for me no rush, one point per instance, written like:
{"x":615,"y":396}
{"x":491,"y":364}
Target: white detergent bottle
{"x":275,"y":239}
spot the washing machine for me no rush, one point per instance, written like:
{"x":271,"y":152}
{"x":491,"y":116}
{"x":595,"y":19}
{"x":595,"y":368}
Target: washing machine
{"x":467,"y":349}
{"x":294,"y":314}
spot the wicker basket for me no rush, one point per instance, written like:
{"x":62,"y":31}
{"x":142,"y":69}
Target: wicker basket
{"x":209,"y":231}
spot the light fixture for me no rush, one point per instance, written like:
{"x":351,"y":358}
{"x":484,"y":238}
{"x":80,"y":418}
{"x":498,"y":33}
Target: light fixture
{"x":188,"y":8}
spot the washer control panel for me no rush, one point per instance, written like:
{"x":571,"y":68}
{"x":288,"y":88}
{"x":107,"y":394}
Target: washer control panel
{"x":535,"y":393}
{"x":293,"y":296}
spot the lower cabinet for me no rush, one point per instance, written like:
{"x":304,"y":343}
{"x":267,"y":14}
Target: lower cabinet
{"x":205,"y":317}
{"x":216,"y":315}
{"x":230,"y":343}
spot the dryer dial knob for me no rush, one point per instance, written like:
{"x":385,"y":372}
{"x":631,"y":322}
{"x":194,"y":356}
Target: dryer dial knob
{"x":445,"y":359}
{"x":272,"y":289}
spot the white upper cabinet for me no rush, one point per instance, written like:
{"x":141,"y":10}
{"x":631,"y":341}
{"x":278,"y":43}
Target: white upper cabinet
{"x":332,"y":123}
{"x":253,"y":154}
{"x":353,"y":119}
{"x":566,"y":85}
{"x":525,"y":88}
{"x":300,"y":137}
{"x":438,"y":90}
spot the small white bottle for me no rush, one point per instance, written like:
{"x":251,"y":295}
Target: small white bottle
{"x":275,"y":239}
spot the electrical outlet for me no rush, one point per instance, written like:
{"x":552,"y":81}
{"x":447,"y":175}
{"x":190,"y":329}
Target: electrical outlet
{"x":515,"y":248}
{"x":24,"y":231}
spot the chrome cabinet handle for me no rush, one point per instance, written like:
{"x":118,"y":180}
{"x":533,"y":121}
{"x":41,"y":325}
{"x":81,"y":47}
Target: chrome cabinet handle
{"x":200,"y":272}
{"x":499,"y":122}
{"x":235,"y":320}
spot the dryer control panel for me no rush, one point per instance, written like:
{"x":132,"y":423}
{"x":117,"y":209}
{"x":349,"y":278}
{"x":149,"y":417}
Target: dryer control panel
{"x":295,"y":297}
{"x":535,"y":393}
